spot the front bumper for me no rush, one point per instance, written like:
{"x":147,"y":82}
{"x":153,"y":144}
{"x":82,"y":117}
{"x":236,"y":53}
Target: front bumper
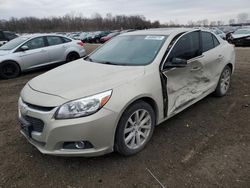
{"x":98,"y":129}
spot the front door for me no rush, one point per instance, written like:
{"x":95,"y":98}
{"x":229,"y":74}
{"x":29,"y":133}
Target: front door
{"x":36,"y":54}
{"x":185,"y":84}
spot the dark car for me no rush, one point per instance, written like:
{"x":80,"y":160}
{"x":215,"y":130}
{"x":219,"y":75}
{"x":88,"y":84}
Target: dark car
{"x":241,"y":37}
{"x":109,"y":36}
{"x":96,"y":36}
{"x":6,"y":36}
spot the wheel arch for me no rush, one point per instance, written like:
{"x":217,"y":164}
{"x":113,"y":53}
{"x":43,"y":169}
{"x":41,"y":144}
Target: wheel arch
{"x":13,"y":61}
{"x":72,"y":52}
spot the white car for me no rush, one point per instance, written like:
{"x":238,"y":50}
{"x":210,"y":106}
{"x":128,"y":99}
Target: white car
{"x":34,"y":51}
{"x":113,"y":98}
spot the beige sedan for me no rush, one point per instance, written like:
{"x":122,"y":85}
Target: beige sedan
{"x":112,"y":99}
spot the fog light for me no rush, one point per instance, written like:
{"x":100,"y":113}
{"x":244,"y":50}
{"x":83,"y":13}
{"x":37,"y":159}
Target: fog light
{"x":80,"y":145}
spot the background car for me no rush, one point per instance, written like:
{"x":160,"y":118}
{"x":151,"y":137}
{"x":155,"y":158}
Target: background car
{"x":33,"y":51}
{"x":219,"y":32}
{"x":109,"y":36}
{"x":6,"y":36}
{"x":241,"y":37}
{"x":95,"y":37}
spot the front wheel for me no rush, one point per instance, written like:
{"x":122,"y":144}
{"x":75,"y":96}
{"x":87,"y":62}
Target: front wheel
{"x":135,"y":128}
{"x":9,"y":70}
{"x":224,"y":82}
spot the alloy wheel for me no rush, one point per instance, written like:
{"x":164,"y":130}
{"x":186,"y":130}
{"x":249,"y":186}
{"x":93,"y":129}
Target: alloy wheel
{"x":137,"y":129}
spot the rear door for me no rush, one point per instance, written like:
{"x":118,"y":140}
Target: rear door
{"x":212,"y":58}
{"x":56,"y":49}
{"x":36,"y":55}
{"x":185,"y":84}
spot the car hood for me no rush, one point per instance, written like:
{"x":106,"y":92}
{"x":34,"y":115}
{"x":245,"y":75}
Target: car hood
{"x":237,"y":36}
{"x":4,"y":52}
{"x":82,"y":78}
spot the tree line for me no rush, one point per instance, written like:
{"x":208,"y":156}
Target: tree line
{"x":69,"y":23}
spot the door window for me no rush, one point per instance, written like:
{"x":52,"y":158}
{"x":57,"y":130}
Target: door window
{"x":35,"y":43}
{"x":207,"y":41}
{"x":187,"y":47}
{"x":216,"y":42}
{"x":54,"y":40}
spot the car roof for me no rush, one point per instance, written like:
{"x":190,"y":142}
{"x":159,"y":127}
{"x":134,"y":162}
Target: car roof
{"x":160,"y":31}
{"x":40,"y":35}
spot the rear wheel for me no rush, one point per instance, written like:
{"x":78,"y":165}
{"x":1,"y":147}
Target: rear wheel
{"x":135,"y":128}
{"x":224,"y":82}
{"x":9,"y":70}
{"x":72,"y":57}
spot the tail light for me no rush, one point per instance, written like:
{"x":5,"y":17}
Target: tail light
{"x":80,"y":43}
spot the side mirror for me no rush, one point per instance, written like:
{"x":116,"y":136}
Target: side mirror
{"x":24,"y":48}
{"x":177,"y":62}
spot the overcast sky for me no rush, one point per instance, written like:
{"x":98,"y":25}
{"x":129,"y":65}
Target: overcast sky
{"x":162,"y":10}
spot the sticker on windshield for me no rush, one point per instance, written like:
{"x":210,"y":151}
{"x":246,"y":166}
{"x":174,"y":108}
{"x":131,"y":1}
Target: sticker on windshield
{"x":151,"y":37}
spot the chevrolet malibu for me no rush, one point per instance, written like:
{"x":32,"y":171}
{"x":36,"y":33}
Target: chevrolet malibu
{"x":112,"y":99}
{"x":33,"y":51}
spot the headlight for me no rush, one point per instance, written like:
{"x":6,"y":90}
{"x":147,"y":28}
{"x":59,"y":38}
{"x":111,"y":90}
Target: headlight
{"x":83,"y":107}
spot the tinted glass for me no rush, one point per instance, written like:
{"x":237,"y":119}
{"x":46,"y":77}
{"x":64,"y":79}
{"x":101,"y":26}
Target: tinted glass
{"x":207,"y":41}
{"x":216,"y":42}
{"x":54,"y":40}
{"x":187,"y":47}
{"x":13,"y":43}
{"x":35,"y":43}
{"x":129,"y":50}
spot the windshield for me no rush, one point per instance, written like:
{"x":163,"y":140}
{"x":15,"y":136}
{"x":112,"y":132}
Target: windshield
{"x":13,"y":43}
{"x":129,"y":50}
{"x":242,"y":31}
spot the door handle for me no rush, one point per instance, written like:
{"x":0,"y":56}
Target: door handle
{"x":195,"y":68}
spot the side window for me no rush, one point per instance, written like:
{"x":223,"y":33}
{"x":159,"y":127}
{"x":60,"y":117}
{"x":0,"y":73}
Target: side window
{"x":35,"y":43}
{"x":65,"y":40}
{"x":216,"y":42}
{"x":187,"y":47}
{"x":54,"y":40}
{"x":207,"y":41}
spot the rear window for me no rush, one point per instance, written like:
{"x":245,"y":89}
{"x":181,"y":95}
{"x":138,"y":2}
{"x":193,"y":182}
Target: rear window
{"x":65,"y":40}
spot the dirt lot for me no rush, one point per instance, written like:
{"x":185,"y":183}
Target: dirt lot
{"x":207,"y":145}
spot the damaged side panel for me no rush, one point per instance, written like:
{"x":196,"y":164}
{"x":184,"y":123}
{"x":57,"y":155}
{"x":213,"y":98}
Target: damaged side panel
{"x":188,"y":84}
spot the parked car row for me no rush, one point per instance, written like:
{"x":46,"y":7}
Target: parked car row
{"x":96,"y":36}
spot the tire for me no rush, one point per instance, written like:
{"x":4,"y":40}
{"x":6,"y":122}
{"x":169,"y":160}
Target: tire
{"x":72,"y":57}
{"x":9,"y":70}
{"x":224,"y":82}
{"x":128,"y":138}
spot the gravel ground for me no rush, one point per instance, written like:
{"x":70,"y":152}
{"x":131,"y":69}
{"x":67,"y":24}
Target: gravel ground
{"x":207,"y":145}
